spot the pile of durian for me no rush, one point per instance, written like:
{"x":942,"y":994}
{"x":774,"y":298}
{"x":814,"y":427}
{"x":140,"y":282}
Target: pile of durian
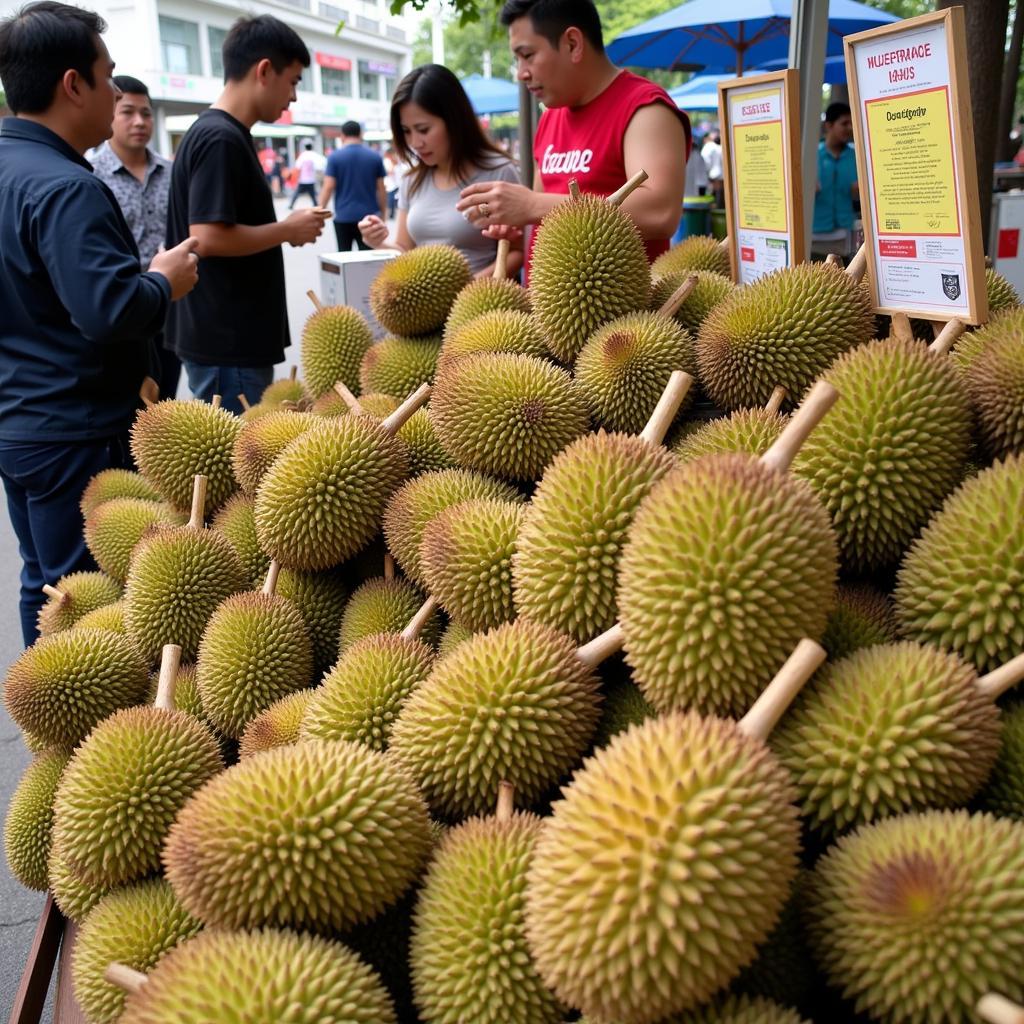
{"x":480,"y":676}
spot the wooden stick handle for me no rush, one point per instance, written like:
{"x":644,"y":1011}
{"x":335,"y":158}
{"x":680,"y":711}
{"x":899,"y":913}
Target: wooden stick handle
{"x":618,"y":197}
{"x":858,"y":265}
{"x":216,"y":401}
{"x":293,"y":373}
{"x":125,"y":978}
{"x":198,"y":502}
{"x":947,"y":337}
{"x":574,"y":188}
{"x":418,"y":398}
{"x":834,"y":261}
{"x":998,"y":1009}
{"x":501,"y":260}
{"x":244,"y":402}
{"x":270,"y":583}
{"x":389,"y":566}
{"x":812,"y":410}
{"x":678,"y":297}
{"x":315,"y":299}
{"x":901,"y":327}
{"x":60,"y":596}
{"x":724,"y":243}
{"x":774,"y":403}
{"x":601,"y":647}
{"x":147,"y":401}
{"x":995,"y":683}
{"x":420,"y":619}
{"x":759,"y":721}
{"x":506,"y":794}
{"x":170,"y":659}
{"x":349,"y":399}
{"x":678,"y":385}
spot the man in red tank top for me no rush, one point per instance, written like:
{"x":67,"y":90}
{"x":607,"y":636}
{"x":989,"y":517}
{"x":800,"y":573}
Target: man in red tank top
{"x":600,"y":126}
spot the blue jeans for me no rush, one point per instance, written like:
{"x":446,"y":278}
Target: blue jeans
{"x":229,"y":382}
{"x":44,"y":483}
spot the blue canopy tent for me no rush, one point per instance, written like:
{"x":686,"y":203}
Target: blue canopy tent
{"x":491,"y":95}
{"x":835,"y":68}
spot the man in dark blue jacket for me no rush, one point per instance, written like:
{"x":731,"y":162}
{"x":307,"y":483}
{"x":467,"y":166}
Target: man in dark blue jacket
{"x":77,"y":315}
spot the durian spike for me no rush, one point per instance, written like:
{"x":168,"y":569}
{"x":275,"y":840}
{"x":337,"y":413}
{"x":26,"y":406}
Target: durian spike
{"x":125,"y":978}
{"x":270,"y":583}
{"x":618,"y":197}
{"x":418,"y":398}
{"x":947,"y":337}
{"x":778,"y":396}
{"x":995,"y":683}
{"x":678,"y":297}
{"x":315,"y":299}
{"x":349,"y":399}
{"x":574,"y":188}
{"x":60,"y":596}
{"x":170,"y":659}
{"x":389,"y":566}
{"x":998,"y":1009}
{"x":216,"y":401}
{"x":293,"y":373}
{"x":244,"y":402}
{"x":759,"y":721}
{"x":811,"y":412}
{"x":501,"y":260}
{"x":678,"y":385}
{"x":901,"y":328}
{"x":858,"y":265}
{"x":506,"y":794}
{"x":420,"y":619}
{"x":834,"y":261}
{"x":601,"y":647}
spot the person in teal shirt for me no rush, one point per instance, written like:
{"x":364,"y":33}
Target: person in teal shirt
{"x":837,"y":176}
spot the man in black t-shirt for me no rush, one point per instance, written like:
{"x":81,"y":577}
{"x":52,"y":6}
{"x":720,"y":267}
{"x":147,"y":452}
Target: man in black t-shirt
{"x":234,"y":327}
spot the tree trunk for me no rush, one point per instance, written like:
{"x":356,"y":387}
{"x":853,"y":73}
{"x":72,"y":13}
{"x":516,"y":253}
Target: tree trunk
{"x":1008,"y":95}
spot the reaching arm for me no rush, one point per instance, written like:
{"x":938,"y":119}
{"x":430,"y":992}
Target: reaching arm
{"x":236,"y":239}
{"x":655,"y":142}
{"x":326,"y":190}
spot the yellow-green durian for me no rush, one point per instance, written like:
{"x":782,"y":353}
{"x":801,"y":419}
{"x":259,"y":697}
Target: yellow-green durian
{"x":698,"y":252}
{"x":29,"y":820}
{"x":82,"y":592}
{"x":236,"y":522}
{"x":277,"y":726}
{"x":862,"y":616}
{"x":321,"y":599}
{"x":1003,"y":794}
{"x":109,"y":617}
{"x":622,"y":705}
{"x":261,"y":441}
{"x":382,"y":606}
{"x":334,"y":340}
{"x":113,"y":529}
{"x":288,"y":389}
{"x":1002,"y":296}
{"x":711,"y":289}
{"x":752,"y":431}
{"x":422,"y":444}
{"x":398,"y":366}
{"x":453,"y":635}
{"x":115,"y":483}
{"x":413,"y":294}
{"x":500,"y":331}
{"x":74,"y":897}
{"x":186,"y":691}
{"x":482,"y":296}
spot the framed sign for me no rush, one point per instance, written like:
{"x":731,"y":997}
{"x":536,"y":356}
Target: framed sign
{"x":918,"y":181}
{"x":760,"y":120}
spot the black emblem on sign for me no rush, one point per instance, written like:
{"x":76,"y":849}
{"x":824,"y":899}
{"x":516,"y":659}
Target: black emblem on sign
{"x":951,"y":286}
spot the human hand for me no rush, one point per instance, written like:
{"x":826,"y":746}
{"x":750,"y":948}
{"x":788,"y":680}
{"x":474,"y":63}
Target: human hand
{"x":304,"y":226}
{"x":373,"y":230}
{"x":150,"y":391}
{"x":489,"y":203}
{"x":179,"y":265}
{"x":500,"y":231}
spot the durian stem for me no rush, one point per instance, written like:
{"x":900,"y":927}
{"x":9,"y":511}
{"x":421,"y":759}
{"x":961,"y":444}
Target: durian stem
{"x":901,"y":328}
{"x":812,"y":410}
{"x":995,"y":683}
{"x":389,"y":566}
{"x":834,"y":261}
{"x":243,"y":402}
{"x":759,"y":721}
{"x":618,"y":197}
{"x":724,"y":243}
{"x":293,"y":373}
{"x":315,"y":299}
{"x":774,"y":403}
{"x":501,"y":260}
{"x":125,"y":978}
{"x":668,"y":405}
{"x":60,"y":596}
{"x":147,"y":401}
{"x":947,"y":337}
{"x":858,"y":265}
{"x":601,"y":647}
{"x":270,"y":584}
{"x":420,"y":619}
{"x":998,"y":1009}
{"x":394,"y":422}
{"x":574,"y":189}
{"x":506,"y":793}
{"x":349,"y":399}
{"x":216,"y":401}
{"x":678,"y":297}
{"x":198,"y":503}
{"x":170,"y":659}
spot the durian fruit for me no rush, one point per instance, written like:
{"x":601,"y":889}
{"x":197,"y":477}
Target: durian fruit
{"x":125,"y":783}
{"x":29,"y":819}
{"x":1002,"y":296}
{"x":711,"y":289}
{"x":502,"y":330}
{"x":698,"y":252}
{"x":423,"y":447}
{"x":62,"y":685}
{"x":454,"y":634}
{"x":566,"y":562}
{"x":316,"y":835}
{"x":907,"y":916}
{"x":184,"y":694}
{"x":740,"y":1009}
{"x":466,"y":560}
{"x":135,"y":926}
{"x":784,"y":329}
{"x":960,"y":585}
{"x":622,"y":705}
{"x":862,"y":616}
{"x":487,"y":295}
{"x":176,"y":580}
{"x":109,"y":617}
{"x":321,"y":500}
{"x":991,"y":364}
{"x":378,"y":403}
{"x":223,"y":977}
{"x":894,"y":446}
{"x":667,"y":861}
{"x":172,"y":442}
{"x":518,"y":704}
{"x":261,"y":441}
{"x":334,"y":340}
{"x":382,"y":606}
{"x":728,"y":563}
{"x":236,"y":522}
{"x":330,"y":404}
{"x":115,"y":483}
{"x":1003,"y":794}
{"x":469,"y":957}
{"x":588,"y":267}
{"x":74,"y":898}
{"x":75,"y":595}
{"x":417,"y":501}
{"x":413,"y":294}
{"x":289,"y":391}
{"x":277,"y":726}
{"x":254,"y":650}
{"x":752,"y":431}
{"x":321,"y":599}
{"x":397,"y":366}
{"x":113,"y":529}
{"x":506,"y":414}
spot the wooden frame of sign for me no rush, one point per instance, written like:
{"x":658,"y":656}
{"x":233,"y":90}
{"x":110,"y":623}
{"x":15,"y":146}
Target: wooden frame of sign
{"x":929,"y":264}
{"x":755,"y":251}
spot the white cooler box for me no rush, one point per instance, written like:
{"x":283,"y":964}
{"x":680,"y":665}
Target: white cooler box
{"x":345,"y":279}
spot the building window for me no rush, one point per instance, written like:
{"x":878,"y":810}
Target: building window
{"x":335,"y":83}
{"x":390,"y":82}
{"x":217,"y":37}
{"x":179,"y":46}
{"x":369,"y":89}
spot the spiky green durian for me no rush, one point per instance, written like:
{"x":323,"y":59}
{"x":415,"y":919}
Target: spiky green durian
{"x":622,"y":705}
{"x":1002,"y":296}
{"x":567,"y":553}
{"x":334,"y":340}
{"x":186,"y":691}
{"x":588,"y":267}
{"x":413,"y":294}
{"x":740,"y":1009}
{"x":288,"y":389}
{"x":698,"y":252}
{"x":378,"y":403}
{"x":261,"y":441}
{"x":255,"y":412}
{"x":665,"y":864}
{"x":1003,"y":794}
{"x":728,"y":565}
{"x":905,"y":915}
{"x":507,"y":415}
{"x":82,"y":592}
{"x":382,"y":606}
{"x":236,"y":522}
{"x":623,"y":369}
{"x":892,"y":728}
{"x":711,"y":289}
{"x":172,"y":442}
{"x":329,"y":405}
{"x":892,"y":448}
{"x":398,"y":366}
{"x":221,"y":977}
{"x":469,"y":957}
{"x":485,"y":295}
{"x":862,"y":616}
{"x":30,"y":818}
{"x":453,"y":635}
{"x":109,"y":617}
{"x":135,"y":926}
{"x":752,"y":431}
{"x":321,"y":599}
{"x":321,"y":500}
{"x":74,"y":898}
{"x":360,"y":697}
{"x":499,"y":331}
{"x":961,"y":585}
{"x":784,"y":329}
{"x":113,"y":529}
{"x":417,"y":501}
{"x":277,"y":726}
{"x":315,"y":835}
{"x":465,"y":559}
{"x":123,"y":787}
{"x":514,"y":704}
{"x":115,"y":483}
{"x":422,"y":445}
{"x":62,"y":685}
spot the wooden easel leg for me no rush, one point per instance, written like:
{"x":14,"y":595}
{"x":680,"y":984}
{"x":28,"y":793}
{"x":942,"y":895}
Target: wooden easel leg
{"x":35,"y":979}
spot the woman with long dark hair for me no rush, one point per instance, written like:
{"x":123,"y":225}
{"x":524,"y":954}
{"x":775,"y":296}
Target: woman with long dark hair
{"x":437,"y":134}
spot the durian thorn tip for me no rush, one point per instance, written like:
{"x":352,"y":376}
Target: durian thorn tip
{"x":805,"y":660}
{"x":125,"y":978}
{"x":198,"y":502}
{"x":813,"y":408}
{"x":665,"y":411}
{"x":601,"y":647}
{"x":995,"y":683}
{"x":506,"y":796}
{"x":997,"y":1009}
{"x":170,"y":659}
{"x":420,"y":619}
{"x":418,"y":398}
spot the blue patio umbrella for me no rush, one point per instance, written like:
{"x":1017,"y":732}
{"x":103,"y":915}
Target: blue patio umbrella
{"x":491,"y":95}
{"x":700,"y":92}
{"x":835,"y":68}
{"x":724,"y":37}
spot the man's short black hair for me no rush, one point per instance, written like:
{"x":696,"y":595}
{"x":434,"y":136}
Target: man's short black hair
{"x":834,"y":111}
{"x":351,"y":129}
{"x":262,"y":37}
{"x":128,"y":84}
{"x":307,"y":145}
{"x":550,"y":18}
{"x":38,"y":44}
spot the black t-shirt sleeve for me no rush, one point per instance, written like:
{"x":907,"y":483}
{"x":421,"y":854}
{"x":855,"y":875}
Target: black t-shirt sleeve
{"x":216,"y":167}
